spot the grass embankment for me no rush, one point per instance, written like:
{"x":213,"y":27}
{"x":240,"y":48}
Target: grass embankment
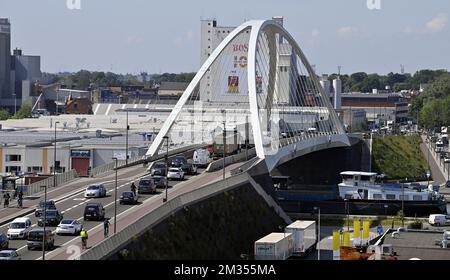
{"x":399,"y":157}
{"x":222,"y":227}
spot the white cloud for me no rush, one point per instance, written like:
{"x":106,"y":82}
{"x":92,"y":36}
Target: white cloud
{"x":347,"y":31}
{"x":188,"y":36}
{"x":437,"y":24}
{"x":314,"y":39}
{"x":134,"y":40}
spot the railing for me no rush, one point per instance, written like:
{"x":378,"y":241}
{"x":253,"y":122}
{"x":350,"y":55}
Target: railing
{"x":60,"y":179}
{"x":110,"y":166}
{"x":110,"y":246}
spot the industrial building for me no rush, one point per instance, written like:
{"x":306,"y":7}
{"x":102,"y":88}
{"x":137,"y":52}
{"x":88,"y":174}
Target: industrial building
{"x":5,"y":62}
{"x":28,"y":145}
{"x":18,"y":72}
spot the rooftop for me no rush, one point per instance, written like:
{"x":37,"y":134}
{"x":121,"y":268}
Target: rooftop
{"x":273,"y":237}
{"x":418,"y":244}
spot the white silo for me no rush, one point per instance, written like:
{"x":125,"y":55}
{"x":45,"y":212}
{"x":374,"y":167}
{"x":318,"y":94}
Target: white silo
{"x":326,"y":85}
{"x":337,"y":86}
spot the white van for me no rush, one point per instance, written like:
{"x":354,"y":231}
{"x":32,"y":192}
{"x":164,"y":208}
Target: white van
{"x":201,"y":157}
{"x":438,"y":220}
{"x":19,"y":228}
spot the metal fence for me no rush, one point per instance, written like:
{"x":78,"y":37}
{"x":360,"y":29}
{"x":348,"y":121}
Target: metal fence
{"x":60,"y":179}
{"x":110,"y":166}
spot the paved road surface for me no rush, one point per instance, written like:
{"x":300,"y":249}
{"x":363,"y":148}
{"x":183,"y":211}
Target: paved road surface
{"x":73,"y":207}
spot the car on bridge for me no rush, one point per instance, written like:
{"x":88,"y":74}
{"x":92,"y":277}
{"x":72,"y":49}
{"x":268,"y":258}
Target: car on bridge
{"x":146,"y":185}
{"x":4,"y":242}
{"x":49,"y":205}
{"x":95,"y":190}
{"x":19,"y":228}
{"x":36,"y":236}
{"x":159,"y":168}
{"x":159,"y":181}
{"x":178,"y":161}
{"x":189,"y":168}
{"x":447,"y":184}
{"x":52,"y":218}
{"x":69,"y":226}
{"x":128,"y":198}
{"x":9,"y":255}
{"x":94,"y":211}
{"x":175,"y":173}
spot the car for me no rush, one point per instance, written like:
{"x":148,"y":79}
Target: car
{"x":19,"y":228}
{"x":178,"y":161}
{"x":159,"y":168}
{"x":146,"y":185}
{"x":94,"y":211}
{"x":69,"y":226}
{"x":40,"y":208}
{"x":52,"y":218}
{"x":128,"y":198}
{"x":447,"y":159}
{"x":447,"y":184}
{"x":95,"y":190}
{"x":159,"y":181}
{"x":36,"y":236}
{"x":175,"y":173}
{"x":189,"y":169}
{"x":9,"y":255}
{"x":4,"y":242}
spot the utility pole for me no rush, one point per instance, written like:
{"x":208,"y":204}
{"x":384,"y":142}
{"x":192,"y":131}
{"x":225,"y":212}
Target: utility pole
{"x":167,"y":166}
{"x":126,"y":144}
{"x":115,"y":200}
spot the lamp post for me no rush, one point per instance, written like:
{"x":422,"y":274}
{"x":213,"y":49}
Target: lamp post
{"x":167,"y":165}
{"x":126,"y":142}
{"x":348,"y":213}
{"x":403,"y":204}
{"x":15,"y":103}
{"x":318,"y":235}
{"x":115,"y":199}
{"x":284,"y":236}
{"x":224,"y":141}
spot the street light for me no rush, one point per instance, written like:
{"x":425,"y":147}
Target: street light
{"x":284,"y":236}
{"x":115,"y":198}
{"x":45,"y":197}
{"x":15,"y":103}
{"x":167,"y":165}
{"x":318,"y":239}
{"x":348,"y":213}
{"x":126,"y":142}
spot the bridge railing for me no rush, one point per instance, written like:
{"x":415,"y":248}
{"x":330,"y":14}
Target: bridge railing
{"x":60,"y":179}
{"x":112,"y":245}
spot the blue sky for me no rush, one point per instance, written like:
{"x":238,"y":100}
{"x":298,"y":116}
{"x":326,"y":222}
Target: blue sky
{"x":163,"y":36}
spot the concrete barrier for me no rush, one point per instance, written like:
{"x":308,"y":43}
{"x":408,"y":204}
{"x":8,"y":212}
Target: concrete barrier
{"x":229,"y":160}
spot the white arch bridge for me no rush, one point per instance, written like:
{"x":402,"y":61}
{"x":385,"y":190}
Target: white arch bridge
{"x":259,"y":83}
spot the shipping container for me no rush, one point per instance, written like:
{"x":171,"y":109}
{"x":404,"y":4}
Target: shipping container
{"x":275,"y":246}
{"x":304,"y":237}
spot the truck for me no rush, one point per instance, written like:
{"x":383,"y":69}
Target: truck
{"x":274,"y":246}
{"x":232,"y":143}
{"x":304,"y":236}
{"x":201,"y":157}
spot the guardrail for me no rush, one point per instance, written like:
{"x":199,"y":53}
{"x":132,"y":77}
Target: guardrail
{"x":218,"y":164}
{"x":110,"y":166}
{"x":112,"y":245}
{"x":60,"y":179}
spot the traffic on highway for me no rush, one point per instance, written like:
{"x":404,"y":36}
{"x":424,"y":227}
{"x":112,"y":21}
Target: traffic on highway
{"x":88,"y":207}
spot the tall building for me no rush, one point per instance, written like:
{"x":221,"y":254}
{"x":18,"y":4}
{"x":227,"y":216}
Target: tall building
{"x":26,"y":69}
{"x":5,"y":60}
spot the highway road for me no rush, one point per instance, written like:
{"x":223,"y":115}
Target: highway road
{"x":73,"y":207}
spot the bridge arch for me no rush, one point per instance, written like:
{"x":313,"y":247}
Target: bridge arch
{"x":284,"y":103}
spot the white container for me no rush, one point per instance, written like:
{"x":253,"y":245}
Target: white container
{"x":304,"y":236}
{"x":275,"y":246}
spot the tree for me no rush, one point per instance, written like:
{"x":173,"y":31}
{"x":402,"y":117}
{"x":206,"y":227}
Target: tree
{"x":4,"y":114}
{"x":24,"y":112}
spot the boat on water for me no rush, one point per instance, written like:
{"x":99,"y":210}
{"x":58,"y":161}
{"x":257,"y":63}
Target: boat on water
{"x":364,"y":193}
